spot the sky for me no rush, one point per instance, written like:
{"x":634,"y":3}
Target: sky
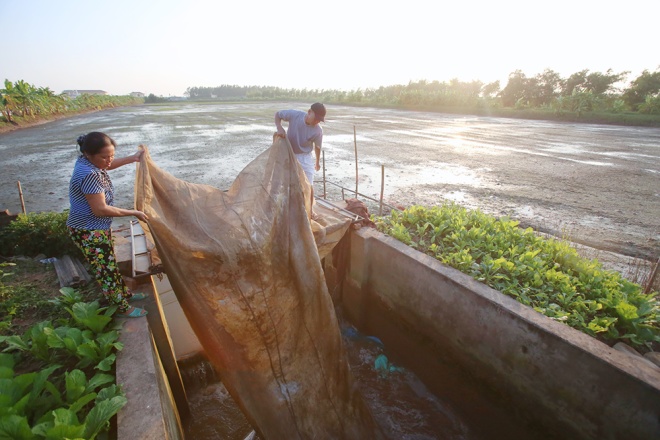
{"x":166,"y":46}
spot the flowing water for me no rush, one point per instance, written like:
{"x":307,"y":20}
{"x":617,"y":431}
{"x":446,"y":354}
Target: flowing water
{"x":451,"y":407}
{"x":401,"y":404}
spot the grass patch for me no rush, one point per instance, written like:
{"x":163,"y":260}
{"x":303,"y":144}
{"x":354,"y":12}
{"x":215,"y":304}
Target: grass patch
{"x":27,"y":289}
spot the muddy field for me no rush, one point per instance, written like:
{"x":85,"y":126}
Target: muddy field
{"x":597,"y":185}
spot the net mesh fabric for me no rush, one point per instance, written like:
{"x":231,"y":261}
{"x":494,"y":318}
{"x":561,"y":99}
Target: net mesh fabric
{"x":245,"y":265}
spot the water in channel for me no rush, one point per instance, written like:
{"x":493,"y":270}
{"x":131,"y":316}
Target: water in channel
{"x":403,"y":406}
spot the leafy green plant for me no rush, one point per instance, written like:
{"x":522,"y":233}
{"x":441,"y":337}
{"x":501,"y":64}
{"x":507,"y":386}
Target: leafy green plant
{"x":91,"y":315}
{"x":69,"y":296}
{"x":32,"y":406}
{"x":68,"y":393}
{"x":82,"y":338}
{"x":545,"y":274}
{"x":37,"y":233}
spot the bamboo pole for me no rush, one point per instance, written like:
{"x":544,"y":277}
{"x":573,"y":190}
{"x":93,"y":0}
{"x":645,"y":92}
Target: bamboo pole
{"x":363,"y":195}
{"x":382,"y":187}
{"x":356,"y":161}
{"x":325,"y":193}
{"x":20,"y":195}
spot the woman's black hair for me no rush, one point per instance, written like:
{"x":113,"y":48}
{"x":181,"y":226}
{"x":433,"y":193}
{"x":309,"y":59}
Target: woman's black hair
{"x":91,"y":143}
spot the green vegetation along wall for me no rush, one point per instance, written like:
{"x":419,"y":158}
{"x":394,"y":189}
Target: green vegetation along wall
{"x":545,"y":274}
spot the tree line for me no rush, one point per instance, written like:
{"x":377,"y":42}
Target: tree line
{"x":583,"y":91}
{"x":579,"y":93}
{"x":21,"y":99}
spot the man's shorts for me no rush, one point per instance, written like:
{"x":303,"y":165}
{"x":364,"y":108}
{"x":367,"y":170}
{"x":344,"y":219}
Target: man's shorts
{"x":307,"y":163}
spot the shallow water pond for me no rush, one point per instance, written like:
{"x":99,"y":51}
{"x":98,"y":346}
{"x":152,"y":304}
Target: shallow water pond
{"x":599,"y":185}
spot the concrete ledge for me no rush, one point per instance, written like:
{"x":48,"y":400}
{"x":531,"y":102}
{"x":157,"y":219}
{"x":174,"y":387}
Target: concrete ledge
{"x":558,"y":375}
{"x":150,"y":413}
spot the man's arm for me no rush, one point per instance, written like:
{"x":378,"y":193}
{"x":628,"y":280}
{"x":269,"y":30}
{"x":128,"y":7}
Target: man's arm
{"x":278,"y":123}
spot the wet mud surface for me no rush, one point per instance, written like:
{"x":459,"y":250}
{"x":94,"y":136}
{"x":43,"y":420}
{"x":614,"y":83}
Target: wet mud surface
{"x":594,"y":184}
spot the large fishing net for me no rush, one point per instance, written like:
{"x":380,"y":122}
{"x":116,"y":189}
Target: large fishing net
{"x":245,"y":265}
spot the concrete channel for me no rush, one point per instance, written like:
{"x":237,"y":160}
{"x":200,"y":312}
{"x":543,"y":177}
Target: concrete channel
{"x":557,"y":378}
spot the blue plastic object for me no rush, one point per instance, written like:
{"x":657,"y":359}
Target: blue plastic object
{"x":384,"y":367}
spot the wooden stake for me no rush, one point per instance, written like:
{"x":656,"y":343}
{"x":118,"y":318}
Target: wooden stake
{"x":382,"y":187}
{"x":325,"y":193}
{"x":20,"y":195}
{"x":356,"y":161}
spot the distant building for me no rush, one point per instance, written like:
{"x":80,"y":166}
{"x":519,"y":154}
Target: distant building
{"x":137,"y":94}
{"x":76,"y":93}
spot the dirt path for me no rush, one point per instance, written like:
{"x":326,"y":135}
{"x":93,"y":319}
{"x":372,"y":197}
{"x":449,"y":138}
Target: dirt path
{"x":597,"y":185}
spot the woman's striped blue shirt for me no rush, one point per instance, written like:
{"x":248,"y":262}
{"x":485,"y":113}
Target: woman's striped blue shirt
{"x":88,"y":179}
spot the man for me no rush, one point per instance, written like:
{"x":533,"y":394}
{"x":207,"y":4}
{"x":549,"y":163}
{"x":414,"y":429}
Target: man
{"x":305,"y":135}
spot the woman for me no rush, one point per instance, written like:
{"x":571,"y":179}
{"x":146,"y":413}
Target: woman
{"x":91,"y":195}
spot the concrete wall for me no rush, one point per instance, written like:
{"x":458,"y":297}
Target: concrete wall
{"x":151,"y":412}
{"x":184,"y":341}
{"x":552,"y":374}
{"x":555,"y":375}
